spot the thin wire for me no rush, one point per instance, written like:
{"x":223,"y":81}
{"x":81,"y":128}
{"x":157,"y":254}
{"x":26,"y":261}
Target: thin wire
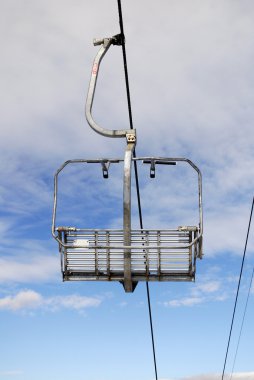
{"x":238,"y":287}
{"x":129,"y":106}
{"x":243,"y":319}
{"x":135,"y":168}
{"x":151,"y":327}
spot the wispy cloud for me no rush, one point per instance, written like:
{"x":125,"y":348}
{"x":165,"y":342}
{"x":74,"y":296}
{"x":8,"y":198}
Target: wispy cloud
{"x":209,"y":287}
{"x":27,"y":270}
{"x":191,"y":301}
{"x":29,"y":300}
{"x":74,"y":302}
{"x":211,"y":376}
{"x":205,"y":291}
{"x":210,"y":93}
{"x":11,"y":373}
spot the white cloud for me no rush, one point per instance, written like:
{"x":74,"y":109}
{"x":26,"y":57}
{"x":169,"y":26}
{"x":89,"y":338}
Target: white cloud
{"x":37,"y":269}
{"x":204,"y":77}
{"x":27,"y":300}
{"x":189,"y":301}
{"x":203,"y":291}
{"x":123,"y":304}
{"x":203,"y":69}
{"x":75,"y":302}
{"x":25,"y":192}
{"x":209,"y":287}
{"x":222,"y":297}
{"x":226,"y":227}
{"x":5,"y":227}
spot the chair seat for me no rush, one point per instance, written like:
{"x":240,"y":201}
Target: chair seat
{"x":156,"y":255}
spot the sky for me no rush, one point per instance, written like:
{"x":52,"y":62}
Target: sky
{"x":191,"y":78}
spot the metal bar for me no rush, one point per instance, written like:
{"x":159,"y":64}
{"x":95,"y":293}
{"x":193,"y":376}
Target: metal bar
{"x":190,"y":250}
{"x":159,"y":253}
{"x":108,"y":256}
{"x":129,"y":246}
{"x":128,"y":286}
{"x":106,"y":43}
{"x":146,"y":255}
{"x":171,"y":239}
{"x":96,"y":255}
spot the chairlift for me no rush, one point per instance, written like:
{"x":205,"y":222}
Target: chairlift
{"x":126,"y":255}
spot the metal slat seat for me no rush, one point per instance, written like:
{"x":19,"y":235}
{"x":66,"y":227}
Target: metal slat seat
{"x":156,"y":255}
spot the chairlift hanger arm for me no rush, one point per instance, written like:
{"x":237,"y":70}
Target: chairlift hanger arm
{"x":128,"y":284}
{"x":105,"y":45}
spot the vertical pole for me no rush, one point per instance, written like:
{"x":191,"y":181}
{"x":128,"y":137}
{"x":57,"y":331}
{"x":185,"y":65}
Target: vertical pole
{"x":128,"y":285}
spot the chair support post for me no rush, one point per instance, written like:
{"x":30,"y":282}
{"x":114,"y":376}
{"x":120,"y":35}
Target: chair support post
{"x":128,"y":285}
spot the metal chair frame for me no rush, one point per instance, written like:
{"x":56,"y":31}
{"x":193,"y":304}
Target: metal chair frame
{"x":126,"y":255}
{"x":162,"y":251}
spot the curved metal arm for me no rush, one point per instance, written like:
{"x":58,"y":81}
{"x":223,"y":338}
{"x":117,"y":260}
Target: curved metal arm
{"x":200,"y":202}
{"x":54,"y":229}
{"x":173,"y":160}
{"x":106,"y":43}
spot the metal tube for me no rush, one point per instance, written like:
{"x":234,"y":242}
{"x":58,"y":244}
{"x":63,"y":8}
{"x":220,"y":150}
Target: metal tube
{"x":90,"y":95}
{"x":128,"y":286}
{"x":136,"y":234}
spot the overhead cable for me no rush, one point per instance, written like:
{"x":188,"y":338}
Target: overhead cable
{"x":243,"y":319}
{"x":238,"y":287}
{"x":135,"y":168}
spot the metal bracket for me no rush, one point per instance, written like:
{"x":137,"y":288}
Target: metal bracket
{"x":118,"y":39}
{"x":105,"y":167}
{"x":105,"y":45}
{"x":131,"y":137}
{"x":153,"y":162}
{"x":188,"y":228}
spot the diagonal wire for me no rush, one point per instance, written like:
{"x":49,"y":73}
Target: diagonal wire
{"x":135,"y":168}
{"x":238,"y":287}
{"x":243,"y":319}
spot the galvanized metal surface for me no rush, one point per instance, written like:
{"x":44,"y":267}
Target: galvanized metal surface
{"x":105,"y":45}
{"x":128,"y":255}
{"x":127,"y":283}
{"x":158,"y":255}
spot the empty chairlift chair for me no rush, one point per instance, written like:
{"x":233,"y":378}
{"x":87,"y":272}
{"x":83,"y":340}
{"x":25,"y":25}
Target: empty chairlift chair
{"x":127,"y":255}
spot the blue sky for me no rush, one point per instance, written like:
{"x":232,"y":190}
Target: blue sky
{"x":191,"y":80}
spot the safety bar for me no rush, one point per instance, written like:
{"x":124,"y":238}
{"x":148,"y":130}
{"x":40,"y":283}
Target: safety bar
{"x":130,"y":134}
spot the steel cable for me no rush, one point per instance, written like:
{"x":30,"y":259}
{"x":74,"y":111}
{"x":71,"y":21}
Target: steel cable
{"x":135,"y":168}
{"x":243,"y":319}
{"x":238,"y":287}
